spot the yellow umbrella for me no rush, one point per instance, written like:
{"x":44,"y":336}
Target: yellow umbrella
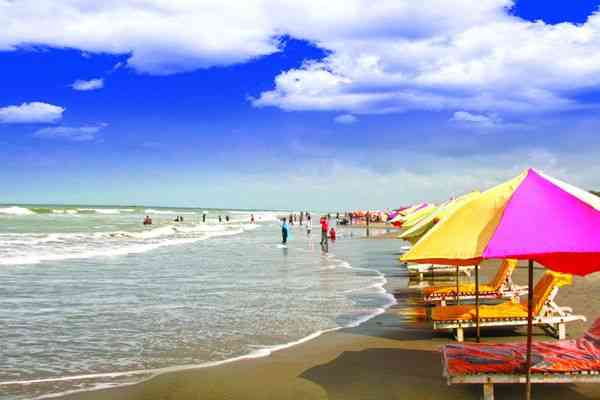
{"x":417,"y":231}
{"x":462,"y":238}
{"x":415,"y":217}
{"x":402,"y":214}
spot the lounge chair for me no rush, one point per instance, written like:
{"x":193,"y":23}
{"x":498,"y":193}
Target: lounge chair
{"x":563,"y":361}
{"x":421,"y":270}
{"x":545,"y":311}
{"x":500,"y":287}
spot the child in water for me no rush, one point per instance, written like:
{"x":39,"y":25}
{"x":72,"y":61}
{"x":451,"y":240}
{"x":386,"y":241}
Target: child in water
{"x":332,"y":234}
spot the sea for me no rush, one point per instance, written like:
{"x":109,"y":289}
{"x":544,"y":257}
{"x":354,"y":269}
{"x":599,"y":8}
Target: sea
{"x":92,"y":298}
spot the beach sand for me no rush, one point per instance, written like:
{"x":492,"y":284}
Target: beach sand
{"x":392,"y":356}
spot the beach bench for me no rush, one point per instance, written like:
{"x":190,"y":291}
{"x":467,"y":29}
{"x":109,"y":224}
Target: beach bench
{"x":563,"y":361}
{"x":500,"y":287}
{"x":420,"y":271}
{"x":546,"y":312}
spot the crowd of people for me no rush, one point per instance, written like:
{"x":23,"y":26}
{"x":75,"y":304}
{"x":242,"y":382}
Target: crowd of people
{"x":179,"y":218}
{"x":305,"y":218}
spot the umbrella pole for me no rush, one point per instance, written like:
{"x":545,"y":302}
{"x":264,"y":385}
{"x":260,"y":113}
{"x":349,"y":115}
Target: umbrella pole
{"x":529,"y":329}
{"x":477,"y":303}
{"x":457,"y":296}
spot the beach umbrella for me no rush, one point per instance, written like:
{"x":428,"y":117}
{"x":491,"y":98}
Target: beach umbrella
{"x":407,"y":211}
{"x":531,"y":217}
{"x":417,"y":231}
{"x":409,"y":219}
{"x":414,"y":218}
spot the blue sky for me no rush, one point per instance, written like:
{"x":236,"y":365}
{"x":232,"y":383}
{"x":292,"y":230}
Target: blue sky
{"x":293,"y":104}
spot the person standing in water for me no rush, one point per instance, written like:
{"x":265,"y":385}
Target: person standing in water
{"x":204,"y":217}
{"x":324,"y":233}
{"x":284,"y":231}
{"x":220,"y":220}
{"x":301,"y":217}
{"x":308,"y":224}
{"x":252,"y":219}
{"x":227,"y":218}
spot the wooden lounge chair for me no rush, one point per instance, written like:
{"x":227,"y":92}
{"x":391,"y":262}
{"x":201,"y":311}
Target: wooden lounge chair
{"x":419,"y":271}
{"x":500,"y":287}
{"x":545,"y":311}
{"x":563,"y":361}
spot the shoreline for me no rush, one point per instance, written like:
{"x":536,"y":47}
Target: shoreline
{"x":146,"y":375}
{"x":390,"y":355}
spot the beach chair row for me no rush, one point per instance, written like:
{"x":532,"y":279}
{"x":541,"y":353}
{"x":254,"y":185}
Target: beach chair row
{"x":490,"y":364}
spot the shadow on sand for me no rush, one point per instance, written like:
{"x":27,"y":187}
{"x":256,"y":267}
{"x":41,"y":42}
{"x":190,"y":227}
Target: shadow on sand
{"x":387,"y":373}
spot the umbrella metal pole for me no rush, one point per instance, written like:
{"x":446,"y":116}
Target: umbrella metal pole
{"x":477,"y":303}
{"x":529,"y":331}
{"x":457,"y":296}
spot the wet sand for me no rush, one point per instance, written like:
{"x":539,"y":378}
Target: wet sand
{"x":392,"y":356}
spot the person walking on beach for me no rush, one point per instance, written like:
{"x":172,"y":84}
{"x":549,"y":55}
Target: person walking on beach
{"x":227,"y":218}
{"x":252,"y":219}
{"x":204,"y":217}
{"x":301,"y":217}
{"x":284,"y":231}
{"x":220,"y":219}
{"x":308,"y":224}
{"x":324,"y":232}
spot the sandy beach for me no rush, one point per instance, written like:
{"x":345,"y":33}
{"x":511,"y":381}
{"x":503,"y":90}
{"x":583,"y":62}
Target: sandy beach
{"x":392,"y":356}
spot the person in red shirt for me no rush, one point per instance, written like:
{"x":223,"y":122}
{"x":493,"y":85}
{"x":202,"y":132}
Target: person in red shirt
{"x":332,"y":234}
{"x":324,"y":232}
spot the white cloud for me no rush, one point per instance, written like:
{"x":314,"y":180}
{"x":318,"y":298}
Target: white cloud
{"x":481,"y":120}
{"x":33,"y":112}
{"x":346,"y":119}
{"x":385,"y":56}
{"x":488,"y":62}
{"x":92,"y":84}
{"x":161,"y":36}
{"x":78,"y":134}
{"x":165,"y":37}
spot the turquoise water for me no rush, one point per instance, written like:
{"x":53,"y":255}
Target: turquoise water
{"x":92,"y":298}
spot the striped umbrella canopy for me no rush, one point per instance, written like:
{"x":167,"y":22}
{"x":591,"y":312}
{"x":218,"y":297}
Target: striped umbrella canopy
{"x":531,"y":217}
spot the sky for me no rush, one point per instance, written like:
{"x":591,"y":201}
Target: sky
{"x":277,"y":104}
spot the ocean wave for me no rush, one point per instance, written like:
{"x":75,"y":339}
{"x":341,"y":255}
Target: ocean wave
{"x":14,"y":210}
{"x":21,"y":249}
{"x":99,"y":210}
{"x":62,"y":211}
{"x":153,"y":211}
{"x":17,"y":210}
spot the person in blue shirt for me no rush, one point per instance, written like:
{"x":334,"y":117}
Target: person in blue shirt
{"x":284,"y":231}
